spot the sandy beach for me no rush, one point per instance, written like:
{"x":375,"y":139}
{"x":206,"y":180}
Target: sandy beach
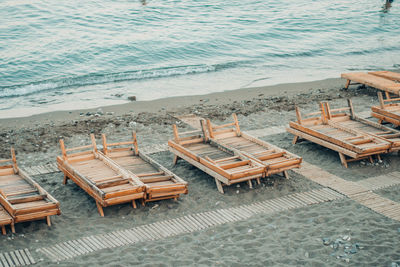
{"x":293,"y":237}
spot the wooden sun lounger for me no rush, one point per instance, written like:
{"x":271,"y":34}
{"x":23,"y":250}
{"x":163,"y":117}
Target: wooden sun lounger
{"x":388,"y":109}
{"x":372,"y":80}
{"x":346,"y":117}
{"x":275,"y":159}
{"x":224,"y":164}
{"x":99,"y":176}
{"x":347,"y":142}
{"x":23,"y":198}
{"x":160,"y":182}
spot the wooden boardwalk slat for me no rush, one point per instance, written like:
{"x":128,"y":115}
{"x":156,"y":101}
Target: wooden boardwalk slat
{"x":69,"y":250}
{"x":8,"y":258}
{"x":20,"y":258}
{"x":24,"y":257}
{"x":14,"y":258}
{"x":3,"y":260}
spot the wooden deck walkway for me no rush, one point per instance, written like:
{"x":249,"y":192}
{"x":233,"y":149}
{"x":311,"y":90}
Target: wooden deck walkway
{"x":360,"y":192}
{"x":186,"y":224}
{"x":20,"y":257}
{"x":382,"y":181}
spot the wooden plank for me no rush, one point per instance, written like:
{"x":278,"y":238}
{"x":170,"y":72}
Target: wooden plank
{"x":19,"y":257}
{"x":9,"y":260}
{"x":24,"y":257}
{"x":3,"y":260}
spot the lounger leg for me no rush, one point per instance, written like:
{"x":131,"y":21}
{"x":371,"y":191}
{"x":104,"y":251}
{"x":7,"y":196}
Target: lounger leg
{"x":286,"y":174}
{"x":250,"y":183}
{"x":347,"y":84}
{"x":175,"y":160}
{"x":175,"y":198}
{"x":3,"y":229}
{"x":295,"y":139}
{"x":144,"y":202}
{"x":134,"y":204}
{"x":219,"y":186}
{"x":100,"y":209}
{"x":65,"y":179}
{"x":343,"y":159}
{"x":48,"y":221}
{"x":258,"y":181}
{"x":370,"y":159}
{"x":379,"y":157}
{"x":13,"y":228}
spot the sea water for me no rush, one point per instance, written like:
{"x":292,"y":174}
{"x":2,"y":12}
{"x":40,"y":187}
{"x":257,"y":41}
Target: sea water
{"x":81,"y":54}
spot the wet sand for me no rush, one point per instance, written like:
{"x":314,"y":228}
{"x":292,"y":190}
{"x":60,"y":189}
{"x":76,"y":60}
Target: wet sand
{"x":288,"y":238}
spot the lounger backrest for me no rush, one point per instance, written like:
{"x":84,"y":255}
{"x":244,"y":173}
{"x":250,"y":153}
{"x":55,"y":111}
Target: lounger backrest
{"x":216,"y":130}
{"x":387,"y":100}
{"x":190,"y":137}
{"x":309,"y":118}
{"x":338,"y":112}
{"x":120,"y":146}
{"x":7,"y":164}
{"x":88,"y":149}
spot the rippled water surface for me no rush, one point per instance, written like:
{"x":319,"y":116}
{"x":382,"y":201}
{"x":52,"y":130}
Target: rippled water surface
{"x":99,"y":52}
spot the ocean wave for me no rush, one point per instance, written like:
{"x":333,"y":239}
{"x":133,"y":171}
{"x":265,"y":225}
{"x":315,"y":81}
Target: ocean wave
{"x":93,"y":79}
{"x":392,"y":48}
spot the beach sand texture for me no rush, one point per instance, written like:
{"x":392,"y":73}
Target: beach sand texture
{"x":292,"y":237}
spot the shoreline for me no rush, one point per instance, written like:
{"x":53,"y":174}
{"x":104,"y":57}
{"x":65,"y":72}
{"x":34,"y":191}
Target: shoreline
{"x":177,"y":103}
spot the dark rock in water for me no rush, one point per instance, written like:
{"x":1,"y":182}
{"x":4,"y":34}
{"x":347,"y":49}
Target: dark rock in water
{"x":326,"y":241}
{"x":132,"y":98}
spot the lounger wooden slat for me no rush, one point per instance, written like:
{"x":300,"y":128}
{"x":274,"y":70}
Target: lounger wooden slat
{"x":352,"y":121}
{"x":24,"y":199}
{"x":394,"y":76}
{"x":221,"y":162}
{"x":100,"y":177}
{"x":378,"y":82}
{"x":273,"y":158}
{"x":388,"y":110}
{"x":160,"y":182}
{"x":346,"y":141}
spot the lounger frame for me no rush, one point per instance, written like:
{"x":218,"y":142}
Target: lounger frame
{"x":223,"y":173}
{"x":33,"y":211}
{"x":343,"y":115}
{"x":135,"y":191}
{"x":275,"y":159}
{"x":352,"y":146}
{"x":153,"y":192}
{"x":5,"y":219}
{"x":388,"y":109}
